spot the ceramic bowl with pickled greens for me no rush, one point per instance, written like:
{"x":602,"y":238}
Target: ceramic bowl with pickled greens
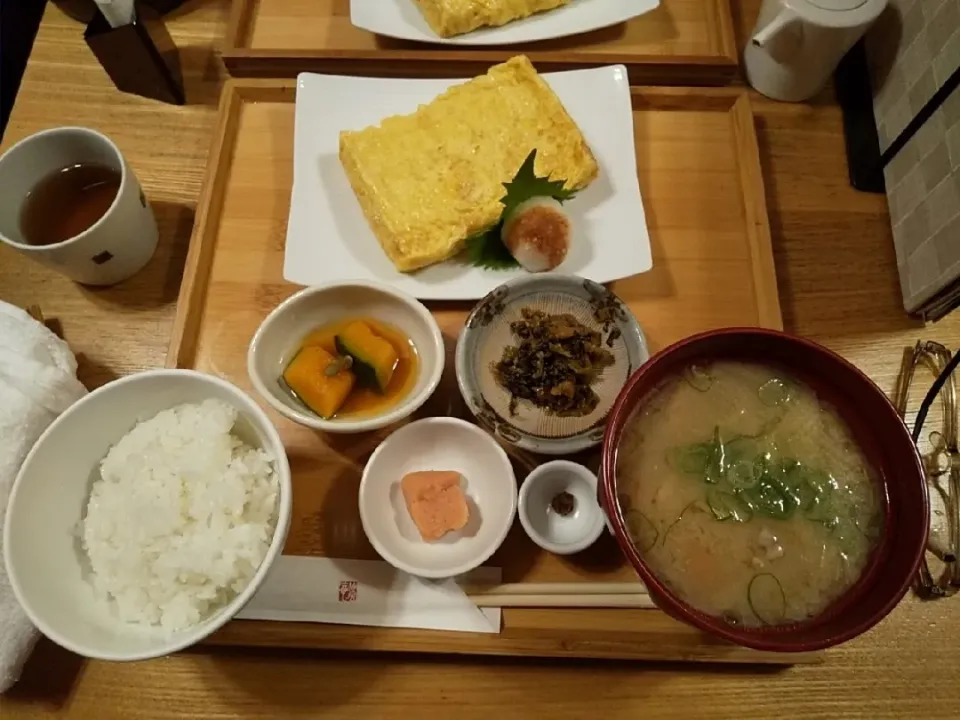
{"x":541,"y":359}
{"x":764,"y":489}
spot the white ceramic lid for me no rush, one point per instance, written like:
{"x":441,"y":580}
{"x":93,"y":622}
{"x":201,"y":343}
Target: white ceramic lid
{"x":837,"y":13}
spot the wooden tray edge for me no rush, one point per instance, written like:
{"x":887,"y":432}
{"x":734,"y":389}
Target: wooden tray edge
{"x":723,"y":17}
{"x":757,"y":218}
{"x":196,"y":271}
{"x":437,"y":61}
{"x":682,"y":70}
{"x":265,"y":634}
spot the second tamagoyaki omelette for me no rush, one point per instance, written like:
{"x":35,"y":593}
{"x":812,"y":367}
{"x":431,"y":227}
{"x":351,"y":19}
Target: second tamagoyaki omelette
{"x":455,"y":17}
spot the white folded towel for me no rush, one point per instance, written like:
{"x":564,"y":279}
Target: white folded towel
{"x":37,"y":382}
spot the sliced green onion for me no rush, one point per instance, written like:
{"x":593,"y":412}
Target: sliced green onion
{"x":705,"y":460}
{"x":805,"y":495}
{"x":715,"y":470}
{"x":692,"y":506}
{"x":744,"y":482}
{"x":821,"y":482}
{"x":821,"y":510}
{"x":796,"y":481}
{"x":643,"y":532}
{"x":740,"y":448}
{"x":728,"y":506}
{"x":762,"y":464}
{"x":791,"y":469}
{"x":846,"y":535}
{"x":769,"y":498}
{"x":773,"y":392}
{"x":814,"y":495}
{"x":691,"y":459}
{"x":698,"y":378}
{"x":743,"y":475}
{"x":766,"y":599}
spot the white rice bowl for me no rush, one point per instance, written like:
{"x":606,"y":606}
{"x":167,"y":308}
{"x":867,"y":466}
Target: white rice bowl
{"x":181,"y":517}
{"x":49,"y":565}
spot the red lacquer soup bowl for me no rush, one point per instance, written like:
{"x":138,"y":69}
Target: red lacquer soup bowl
{"x":877,"y":429}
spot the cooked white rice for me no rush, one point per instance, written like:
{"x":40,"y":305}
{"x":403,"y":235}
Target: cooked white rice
{"x":181,"y":517}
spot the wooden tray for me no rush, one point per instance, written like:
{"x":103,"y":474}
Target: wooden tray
{"x":681,"y":42}
{"x":700,"y":176}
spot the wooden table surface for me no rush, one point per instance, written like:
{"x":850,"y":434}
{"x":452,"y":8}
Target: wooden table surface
{"x":838,"y":285}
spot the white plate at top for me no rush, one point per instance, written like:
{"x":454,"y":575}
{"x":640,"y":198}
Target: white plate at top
{"x":402,"y":19}
{"x":328,"y":237}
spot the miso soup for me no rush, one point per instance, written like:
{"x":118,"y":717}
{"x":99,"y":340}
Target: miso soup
{"x":747,"y":495}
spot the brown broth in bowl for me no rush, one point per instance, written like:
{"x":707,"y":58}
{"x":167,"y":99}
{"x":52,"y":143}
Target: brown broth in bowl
{"x":747,"y":495}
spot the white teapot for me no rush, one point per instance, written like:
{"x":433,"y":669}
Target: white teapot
{"x":797,"y":44}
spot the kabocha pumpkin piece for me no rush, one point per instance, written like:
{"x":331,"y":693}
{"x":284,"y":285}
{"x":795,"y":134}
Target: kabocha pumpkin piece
{"x":320,"y":380}
{"x":374,"y":359}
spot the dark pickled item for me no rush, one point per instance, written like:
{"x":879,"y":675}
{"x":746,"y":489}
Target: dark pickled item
{"x":554,"y":365}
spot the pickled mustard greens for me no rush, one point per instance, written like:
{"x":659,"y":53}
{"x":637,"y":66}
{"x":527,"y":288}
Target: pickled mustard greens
{"x":747,"y":494}
{"x":553,"y":365}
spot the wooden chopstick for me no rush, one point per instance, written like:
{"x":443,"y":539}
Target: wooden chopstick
{"x":567,"y":588}
{"x":561,"y":595}
{"x":564,"y":601}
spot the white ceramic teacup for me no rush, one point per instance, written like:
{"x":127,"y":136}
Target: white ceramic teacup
{"x":112,"y":249}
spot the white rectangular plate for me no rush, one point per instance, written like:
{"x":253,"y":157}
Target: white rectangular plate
{"x":328,"y":237}
{"x":403,"y":19}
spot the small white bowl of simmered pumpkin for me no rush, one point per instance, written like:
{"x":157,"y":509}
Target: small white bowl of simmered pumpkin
{"x":347,"y":357}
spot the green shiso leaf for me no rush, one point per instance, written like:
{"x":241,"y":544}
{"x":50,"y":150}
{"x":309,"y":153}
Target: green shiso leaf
{"x":486,"y":249}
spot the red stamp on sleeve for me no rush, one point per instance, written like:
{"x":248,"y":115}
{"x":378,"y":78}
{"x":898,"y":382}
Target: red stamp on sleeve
{"x":348,"y":591}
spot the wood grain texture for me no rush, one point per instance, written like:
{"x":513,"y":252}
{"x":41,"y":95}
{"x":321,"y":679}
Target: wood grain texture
{"x":838,"y":285}
{"x":682,"y":41}
{"x":696,"y":148}
{"x":167,"y":147}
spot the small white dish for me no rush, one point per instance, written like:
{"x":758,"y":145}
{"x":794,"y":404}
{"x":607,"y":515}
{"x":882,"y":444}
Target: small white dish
{"x":402,"y":19}
{"x":43,"y":553}
{"x":554,"y":532}
{"x":278,"y":337}
{"x":440,"y":443}
{"x":328,"y":237}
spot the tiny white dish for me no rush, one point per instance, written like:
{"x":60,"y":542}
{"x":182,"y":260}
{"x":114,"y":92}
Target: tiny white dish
{"x":328,"y":237}
{"x":402,"y":19}
{"x":46,"y":563}
{"x":555,"y":532}
{"x":279,"y":336}
{"x":490,"y":486}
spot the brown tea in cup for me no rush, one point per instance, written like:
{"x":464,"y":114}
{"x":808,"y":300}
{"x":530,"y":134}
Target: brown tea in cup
{"x":67,"y":202}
